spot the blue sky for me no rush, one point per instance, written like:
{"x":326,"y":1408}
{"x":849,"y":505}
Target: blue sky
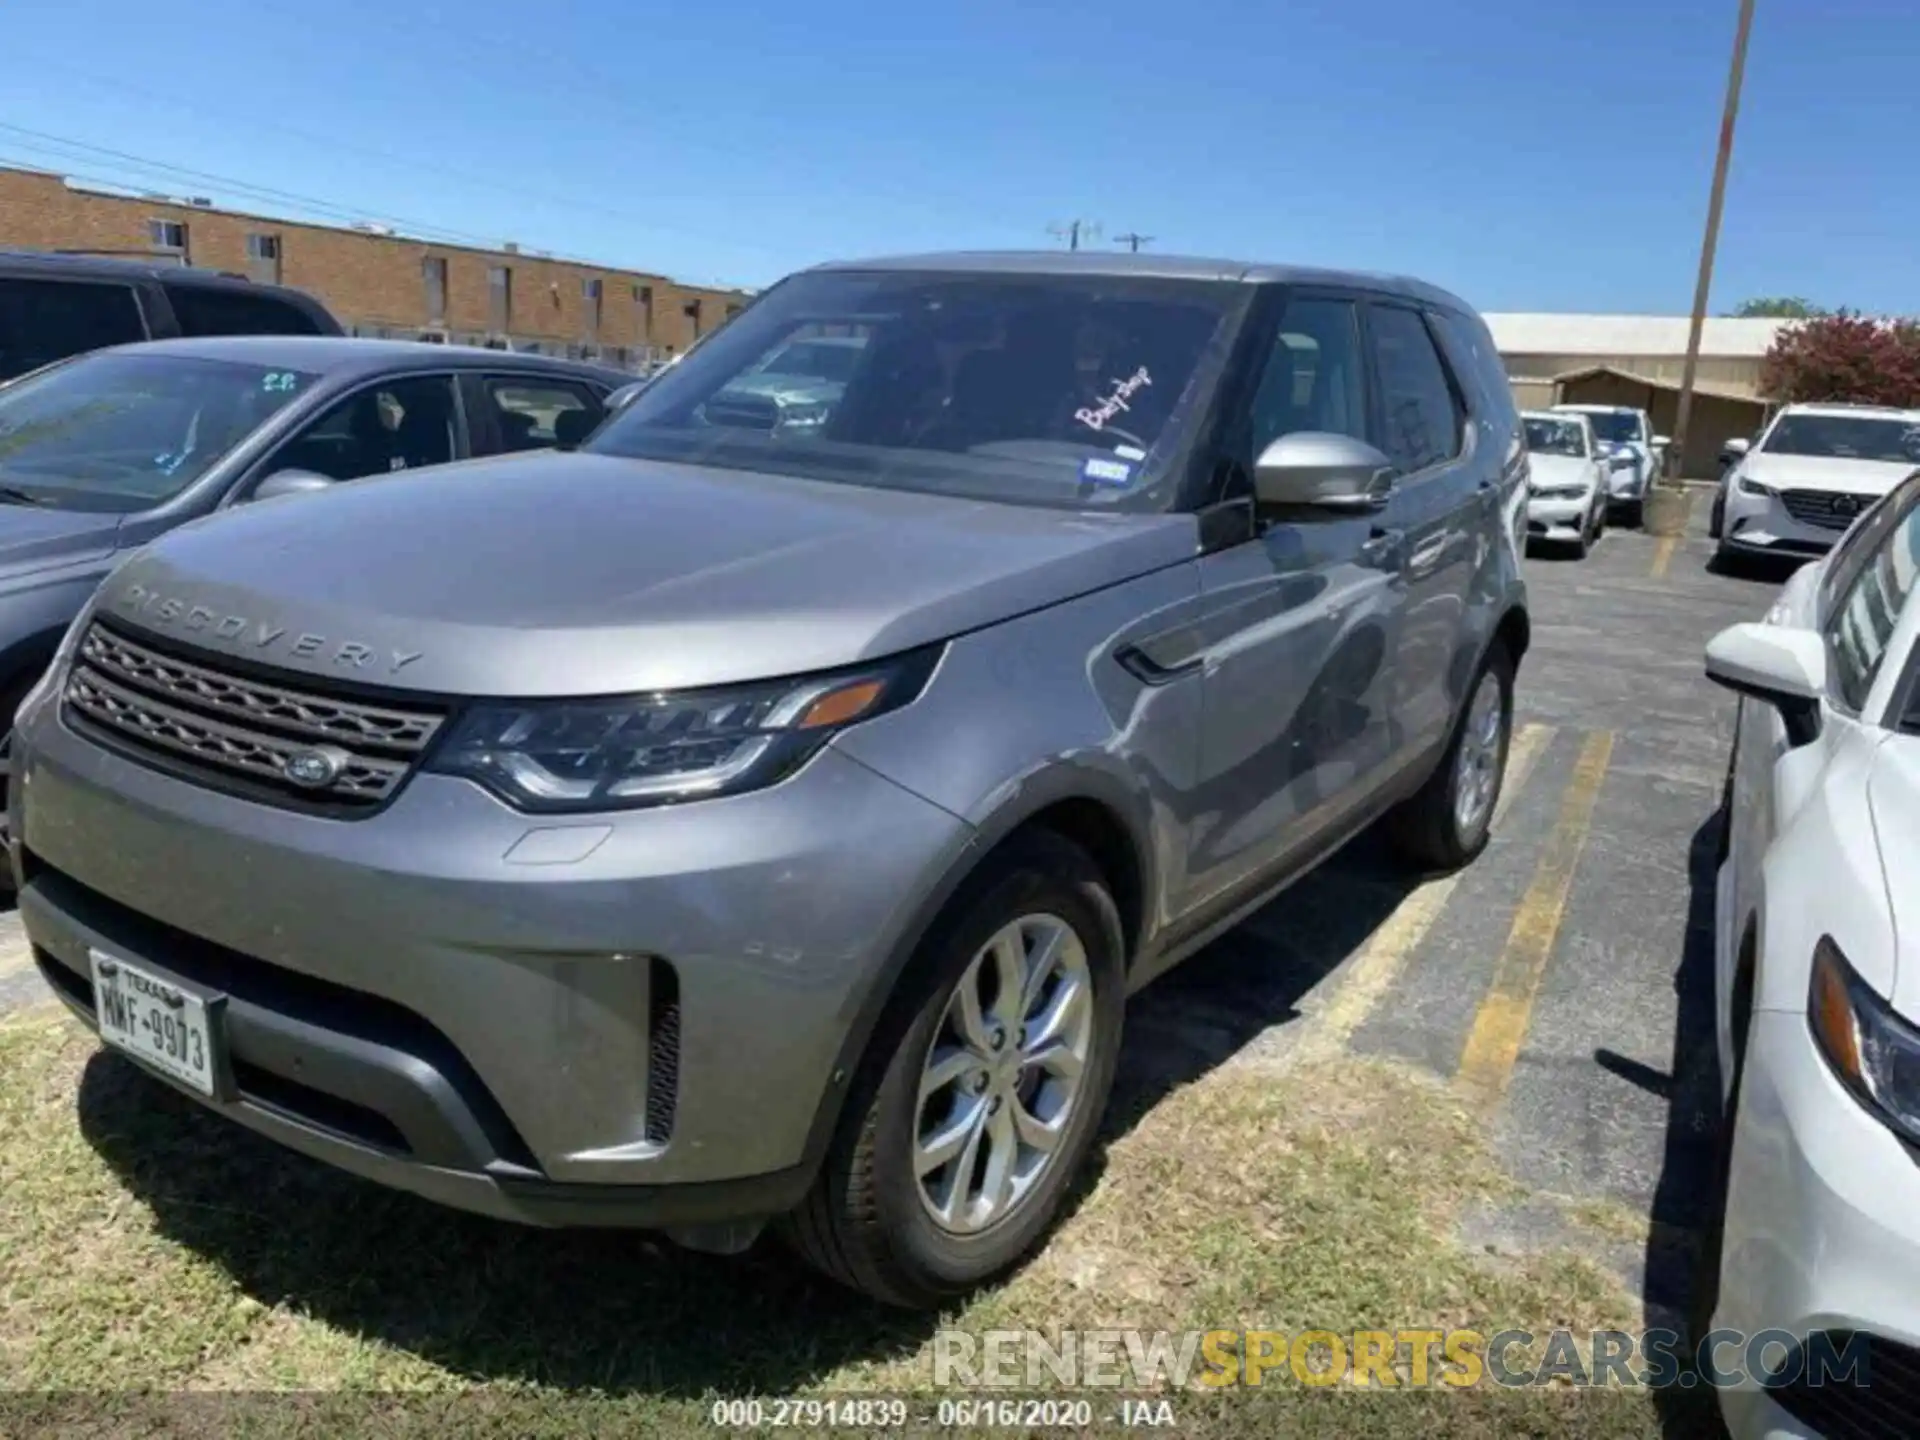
{"x":1530,"y":154}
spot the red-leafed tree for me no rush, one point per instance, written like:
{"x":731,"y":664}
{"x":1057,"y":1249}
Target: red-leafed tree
{"x":1845,"y":357}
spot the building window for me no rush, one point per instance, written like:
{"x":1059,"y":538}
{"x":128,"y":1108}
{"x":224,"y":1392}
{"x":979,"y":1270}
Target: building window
{"x":693,"y":314}
{"x":591,"y":291}
{"x":263,"y":258}
{"x":433,"y":274}
{"x":169,"y":235}
{"x":500,"y":299}
{"x":643,"y":297}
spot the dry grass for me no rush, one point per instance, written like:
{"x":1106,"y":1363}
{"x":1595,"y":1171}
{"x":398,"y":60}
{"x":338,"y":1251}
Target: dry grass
{"x":145,"y":1245}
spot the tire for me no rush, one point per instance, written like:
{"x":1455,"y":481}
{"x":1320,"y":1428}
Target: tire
{"x":870,"y":1220}
{"x":1703,"y":1293}
{"x":10,"y":697}
{"x":1429,"y":829}
{"x":1637,"y":514}
{"x":1717,"y":518}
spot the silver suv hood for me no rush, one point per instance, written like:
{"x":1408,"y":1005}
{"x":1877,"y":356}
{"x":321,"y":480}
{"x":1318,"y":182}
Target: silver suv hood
{"x":576,"y":574}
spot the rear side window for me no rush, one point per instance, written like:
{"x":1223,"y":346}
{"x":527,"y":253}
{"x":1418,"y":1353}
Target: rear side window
{"x":534,"y":414}
{"x":208,"y":310}
{"x":1469,"y":347}
{"x":46,"y":320}
{"x":1420,"y":415}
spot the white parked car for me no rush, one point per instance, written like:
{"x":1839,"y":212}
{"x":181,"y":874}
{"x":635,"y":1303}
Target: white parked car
{"x":1812,"y":473}
{"x":1817,"y":960}
{"x":1636,"y":454}
{"x":1567,"y":495}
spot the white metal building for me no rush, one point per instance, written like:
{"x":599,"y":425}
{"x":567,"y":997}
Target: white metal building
{"x":1637,"y":360}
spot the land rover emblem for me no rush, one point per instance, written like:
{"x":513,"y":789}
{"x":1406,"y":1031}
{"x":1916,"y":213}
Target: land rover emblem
{"x":316,"y":768}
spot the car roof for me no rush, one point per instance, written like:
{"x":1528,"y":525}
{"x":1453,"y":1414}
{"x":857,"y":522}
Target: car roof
{"x":54,"y":265}
{"x":1145,"y":266}
{"x":1552,"y":415}
{"x":1837,"y":407}
{"x":328,"y":354}
{"x":1600,"y":409}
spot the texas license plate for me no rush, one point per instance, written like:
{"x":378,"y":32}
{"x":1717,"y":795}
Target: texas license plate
{"x":152,"y":1019}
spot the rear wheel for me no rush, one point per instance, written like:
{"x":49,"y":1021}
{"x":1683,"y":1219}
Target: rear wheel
{"x":981,"y":1092}
{"x":1447,"y":821}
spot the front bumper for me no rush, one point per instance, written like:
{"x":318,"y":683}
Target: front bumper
{"x":1552,"y":518}
{"x":622,"y":1019}
{"x":1763,"y":525}
{"x":1627,"y":485}
{"x":1822,"y":1235}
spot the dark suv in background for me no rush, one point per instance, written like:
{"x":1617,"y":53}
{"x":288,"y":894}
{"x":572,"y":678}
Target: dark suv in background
{"x":53,"y":306}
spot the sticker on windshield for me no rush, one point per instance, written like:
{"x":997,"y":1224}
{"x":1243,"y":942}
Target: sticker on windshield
{"x":1098,"y":417}
{"x":1107,"y":472}
{"x":279,"y":382}
{"x":1129,"y":452}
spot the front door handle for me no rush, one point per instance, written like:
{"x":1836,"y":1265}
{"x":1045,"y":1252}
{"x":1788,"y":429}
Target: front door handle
{"x":1382,"y":548}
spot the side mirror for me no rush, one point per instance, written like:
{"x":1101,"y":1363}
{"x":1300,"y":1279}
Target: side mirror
{"x":624,"y":396}
{"x":1317,"y":470}
{"x":1736,"y":448}
{"x":1783,"y":666}
{"x":1663,"y":440}
{"x":292,"y":482}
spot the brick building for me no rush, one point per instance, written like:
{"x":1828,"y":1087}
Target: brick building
{"x":379,"y":282}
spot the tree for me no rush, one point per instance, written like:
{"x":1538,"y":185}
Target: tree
{"x":1844,"y":357}
{"x":1779,"y":307}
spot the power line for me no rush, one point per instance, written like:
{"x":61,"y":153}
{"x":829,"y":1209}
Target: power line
{"x":414,"y":162}
{"x":138,"y":164}
{"x":1132,"y":241}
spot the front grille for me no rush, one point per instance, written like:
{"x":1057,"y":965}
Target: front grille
{"x":1850,"y":1385}
{"x":228,"y":725}
{"x":1819,"y":507}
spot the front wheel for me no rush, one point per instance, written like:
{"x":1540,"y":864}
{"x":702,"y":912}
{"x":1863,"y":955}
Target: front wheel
{"x":981,"y":1092}
{"x":1447,"y":821}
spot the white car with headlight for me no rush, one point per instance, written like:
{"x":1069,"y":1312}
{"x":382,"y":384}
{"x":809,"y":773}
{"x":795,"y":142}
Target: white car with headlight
{"x":1817,"y":961}
{"x":1812,"y":474}
{"x":1634,"y":454}
{"x":1567,"y":491}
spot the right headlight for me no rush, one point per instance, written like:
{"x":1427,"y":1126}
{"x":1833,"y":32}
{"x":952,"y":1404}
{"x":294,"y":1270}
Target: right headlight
{"x":1875,"y":1053}
{"x":657,"y":749}
{"x":1748,"y":486}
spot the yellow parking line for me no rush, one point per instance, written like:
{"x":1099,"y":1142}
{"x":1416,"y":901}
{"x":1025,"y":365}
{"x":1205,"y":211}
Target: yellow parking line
{"x":1500,"y":1027}
{"x":1371,"y":973}
{"x":1662,"y":557}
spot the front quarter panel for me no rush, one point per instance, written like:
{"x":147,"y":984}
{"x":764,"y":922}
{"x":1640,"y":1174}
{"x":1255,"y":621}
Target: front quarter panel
{"x":1037,"y":710}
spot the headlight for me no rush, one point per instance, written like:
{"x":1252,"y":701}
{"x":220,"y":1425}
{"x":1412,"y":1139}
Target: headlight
{"x":617,"y":754}
{"x":1875,"y":1053}
{"x":805,"y":416}
{"x":1752,"y":487}
{"x":1559,"y":492}
{"x":1622,"y":461}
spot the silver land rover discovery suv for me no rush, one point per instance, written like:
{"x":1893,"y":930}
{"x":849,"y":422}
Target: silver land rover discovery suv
{"x":764,"y":812}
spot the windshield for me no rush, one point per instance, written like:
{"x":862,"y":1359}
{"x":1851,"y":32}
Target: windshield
{"x":1556,"y":437}
{"x":1615,"y":427}
{"x":1846,"y":437}
{"x":122,"y":432}
{"x":1065,"y":390}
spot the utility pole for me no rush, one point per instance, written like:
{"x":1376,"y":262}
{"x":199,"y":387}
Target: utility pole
{"x":1676,"y":455}
{"x":1133,"y":242}
{"x":1074,"y":231}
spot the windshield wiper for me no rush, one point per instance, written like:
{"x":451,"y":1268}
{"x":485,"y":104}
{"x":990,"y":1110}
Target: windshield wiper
{"x":14,"y":495}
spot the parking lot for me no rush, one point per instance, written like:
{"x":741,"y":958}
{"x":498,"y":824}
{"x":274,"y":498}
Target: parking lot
{"x":1475,"y":1100}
